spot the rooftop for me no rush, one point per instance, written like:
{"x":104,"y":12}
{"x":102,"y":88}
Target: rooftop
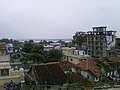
{"x":89,"y":65}
{"x":49,"y":74}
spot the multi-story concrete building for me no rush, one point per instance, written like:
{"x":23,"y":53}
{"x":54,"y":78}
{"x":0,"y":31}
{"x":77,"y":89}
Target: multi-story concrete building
{"x":117,"y":43}
{"x":6,"y":72}
{"x":100,"y":41}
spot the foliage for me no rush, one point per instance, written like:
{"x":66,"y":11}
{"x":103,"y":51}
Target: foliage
{"x":6,"y":40}
{"x":116,"y":65}
{"x":74,"y":85}
{"x":15,"y":43}
{"x":27,"y":48}
{"x":53,"y":55}
{"x":35,"y":52}
{"x":36,"y":57}
{"x":79,"y":39}
{"x":37,"y":49}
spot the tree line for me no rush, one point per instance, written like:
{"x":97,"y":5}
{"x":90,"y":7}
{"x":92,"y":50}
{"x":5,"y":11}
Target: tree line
{"x":36,"y":53}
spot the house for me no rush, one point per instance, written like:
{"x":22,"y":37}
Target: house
{"x":74,"y":56}
{"x":2,"y":48}
{"x":106,"y":68}
{"x":56,"y":45}
{"x":54,"y":75}
{"x":48,"y":47}
{"x":88,"y":69}
{"x":68,"y":50}
{"x":111,"y":66}
{"x":72,"y":74}
{"x":10,"y":48}
{"x":6,"y":72}
{"x":67,"y":67}
{"x":50,"y":76}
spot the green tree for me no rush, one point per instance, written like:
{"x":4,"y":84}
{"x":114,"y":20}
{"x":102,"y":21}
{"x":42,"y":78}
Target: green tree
{"x":6,"y":40}
{"x":27,"y":48}
{"x":54,"y":55}
{"x":37,"y":49}
{"x":33,"y":52}
{"x":36,"y":58}
{"x":79,"y":38}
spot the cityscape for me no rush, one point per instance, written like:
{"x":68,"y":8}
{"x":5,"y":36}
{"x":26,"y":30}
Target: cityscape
{"x":91,"y":60}
{"x":59,"y":45}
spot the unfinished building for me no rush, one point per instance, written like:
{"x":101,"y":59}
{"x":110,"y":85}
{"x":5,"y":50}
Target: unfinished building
{"x":100,"y":41}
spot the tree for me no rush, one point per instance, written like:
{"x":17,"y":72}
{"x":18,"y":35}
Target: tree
{"x":27,"y":47}
{"x":6,"y":40}
{"x":37,"y":49}
{"x":79,"y":38}
{"x":54,"y":55}
{"x":31,"y":41}
{"x":34,"y":52}
{"x":35,"y":57}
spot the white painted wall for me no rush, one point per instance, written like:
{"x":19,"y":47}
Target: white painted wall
{"x":79,"y":52}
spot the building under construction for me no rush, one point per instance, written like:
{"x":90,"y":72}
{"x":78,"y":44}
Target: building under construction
{"x":100,"y":41}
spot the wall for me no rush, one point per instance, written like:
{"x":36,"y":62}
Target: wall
{"x":79,"y":52}
{"x":7,"y":79}
{"x":85,"y":74}
{"x":67,"y":50}
{"x":71,"y":59}
{"x":56,"y":87}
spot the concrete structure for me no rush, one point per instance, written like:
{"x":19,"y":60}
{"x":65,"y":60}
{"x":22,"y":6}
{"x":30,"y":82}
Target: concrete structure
{"x":89,"y":70}
{"x":2,"y":48}
{"x":117,"y":44}
{"x":48,"y":47}
{"x":6,"y":72}
{"x":100,"y":41}
{"x":9,"y":48}
{"x":68,"y":50}
{"x":72,"y":55}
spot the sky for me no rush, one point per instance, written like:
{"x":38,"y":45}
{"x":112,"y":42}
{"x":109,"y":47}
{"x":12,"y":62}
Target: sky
{"x":56,"y":19}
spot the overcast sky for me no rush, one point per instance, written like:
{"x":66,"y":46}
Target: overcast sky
{"x":48,"y":19}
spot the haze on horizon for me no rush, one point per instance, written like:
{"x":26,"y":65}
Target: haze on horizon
{"x":56,"y":19}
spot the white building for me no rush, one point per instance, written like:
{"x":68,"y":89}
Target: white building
{"x":48,"y":47}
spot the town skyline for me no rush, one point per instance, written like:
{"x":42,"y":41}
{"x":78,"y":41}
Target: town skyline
{"x":51,"y":19}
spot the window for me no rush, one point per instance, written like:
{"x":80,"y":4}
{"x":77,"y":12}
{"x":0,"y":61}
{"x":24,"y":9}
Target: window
{"x":87,"y":76}
{"x":96,"y":78}
{"x":64,"y":57}
{"x":4,"y":72}
{"x":71,"y":59}
{"x":96,"y":38}
{"x":83,"y":53}
{"x":48,"y":87}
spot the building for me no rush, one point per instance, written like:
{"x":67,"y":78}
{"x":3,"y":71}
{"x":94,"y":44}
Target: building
{"x":9,"y":48}
{"x":6,"y":72}
{"x":2,"y":48}
{"x":117,"y":43}
{"x":48,"y":47}
{"x":100,"y":41}
{"x":88,"y":69}
{"x":50,"y":76}
{"x":55,"y":75}
{"x":73,"y":55}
